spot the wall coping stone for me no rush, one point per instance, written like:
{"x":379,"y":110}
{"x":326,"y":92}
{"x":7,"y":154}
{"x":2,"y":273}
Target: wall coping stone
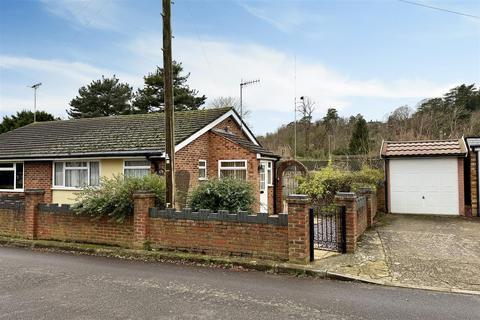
{"x":346,"y":195}
{"x":365,"y":190}
{"x":12,"y":204}
{"x":35,"y":191}
{"x":142,"y":194}
{"x":54,"y":208}
{"x":298,"y":198}
{"x":222,"y":215}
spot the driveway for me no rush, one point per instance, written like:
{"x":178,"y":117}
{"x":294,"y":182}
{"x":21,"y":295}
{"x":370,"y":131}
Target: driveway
{"x":414,"y":250}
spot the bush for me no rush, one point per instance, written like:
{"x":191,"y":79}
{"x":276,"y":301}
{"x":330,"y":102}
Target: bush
{"x":321,"y":186}
{"x":225,"y":194}
{"x":114,"y":197}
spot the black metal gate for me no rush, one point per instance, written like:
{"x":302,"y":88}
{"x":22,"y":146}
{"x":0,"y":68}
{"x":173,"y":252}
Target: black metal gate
{"x":327,"y":228}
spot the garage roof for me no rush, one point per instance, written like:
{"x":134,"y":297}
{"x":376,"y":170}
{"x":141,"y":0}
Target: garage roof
{"x":423,"y":148}
{"x":473,"y":143}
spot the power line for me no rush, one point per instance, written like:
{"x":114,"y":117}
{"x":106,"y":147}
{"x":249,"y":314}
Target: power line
{"x":440,"y":9}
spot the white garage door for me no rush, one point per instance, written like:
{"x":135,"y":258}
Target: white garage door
{"x":424,"y":186}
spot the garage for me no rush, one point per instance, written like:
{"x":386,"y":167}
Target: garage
{"x":425,"y":177}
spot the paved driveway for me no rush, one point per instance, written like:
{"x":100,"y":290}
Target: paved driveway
{"x":438,"y":251}
{"x":428,"y":251}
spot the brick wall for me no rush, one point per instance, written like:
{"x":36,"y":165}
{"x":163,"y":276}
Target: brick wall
{"x":37,"y":175}
{"x":12,"y":219}
{"x":461,"y":187}
{"x":186,"y":167}
{"x":64,"y":225}
{"x":278,"y":237}
{"x":472,"y":157}
{"x":355,"y":216}
{"x":219,"y":237}
{"x":223,"y":149}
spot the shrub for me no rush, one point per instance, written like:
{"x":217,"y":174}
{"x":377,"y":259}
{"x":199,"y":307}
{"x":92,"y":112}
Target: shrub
{"x":321,"y":186}
{"x":114,"y":197}
{"x":225,"y":194}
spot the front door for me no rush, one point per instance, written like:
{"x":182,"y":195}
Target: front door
{"x":263,"y":187}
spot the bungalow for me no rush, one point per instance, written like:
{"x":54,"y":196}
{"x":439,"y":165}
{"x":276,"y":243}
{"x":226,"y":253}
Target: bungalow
{"x":64,"y":156}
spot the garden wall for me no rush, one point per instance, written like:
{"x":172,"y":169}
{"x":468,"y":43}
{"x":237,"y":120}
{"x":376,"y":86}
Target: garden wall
{"x":61,"y":223}
{"x":239,"y":234}
{"x":278,"y":237}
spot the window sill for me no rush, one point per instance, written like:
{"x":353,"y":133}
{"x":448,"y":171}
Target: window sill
{"x":67,"y":188}
{"x":12,"y":190}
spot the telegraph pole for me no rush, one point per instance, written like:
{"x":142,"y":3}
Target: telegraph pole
{"x":169,"y":114}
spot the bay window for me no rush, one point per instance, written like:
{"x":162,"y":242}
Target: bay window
{"x":233,"y":169}
{"x":76,"y":174}
{"x":11,"y":176}
{"x":136,"y":168}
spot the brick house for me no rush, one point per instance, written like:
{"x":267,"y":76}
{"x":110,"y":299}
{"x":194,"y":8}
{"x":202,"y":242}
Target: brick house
{"x":64,"y":156}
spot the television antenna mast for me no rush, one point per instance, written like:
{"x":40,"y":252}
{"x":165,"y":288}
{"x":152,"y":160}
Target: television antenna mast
{"x":243,"y":84}
{"x":35,"y":87}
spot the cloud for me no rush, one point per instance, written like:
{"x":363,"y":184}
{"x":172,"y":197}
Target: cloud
{"x":98,"y":14}
{"x":217,"y":70}
{"x":283,"y":15}
{"x":60,"y":82}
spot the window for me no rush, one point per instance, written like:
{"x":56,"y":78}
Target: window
{"x":76,"y":174}
{"x":11,"y":176}
{"x":234,"y":169}
{"x":202,"y":169}
{"x":270,"y":173}
{"x":136,"y":168}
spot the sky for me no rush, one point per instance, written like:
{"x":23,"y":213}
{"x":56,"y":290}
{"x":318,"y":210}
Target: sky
{"x":365,"y":57}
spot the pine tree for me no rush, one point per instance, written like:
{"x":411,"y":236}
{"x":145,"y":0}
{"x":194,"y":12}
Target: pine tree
{"x":151,"y":97}
{"x":104,"y":97}
{"x":360,"y":141}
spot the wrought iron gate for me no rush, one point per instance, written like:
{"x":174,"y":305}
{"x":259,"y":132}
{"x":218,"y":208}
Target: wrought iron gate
{"x":327,"y":228}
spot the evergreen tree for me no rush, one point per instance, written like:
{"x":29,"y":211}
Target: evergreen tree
{"x":359,"y":142}
{"x":151,"y":97}
{"x":104,"y":97}
{"x":22,"y":118}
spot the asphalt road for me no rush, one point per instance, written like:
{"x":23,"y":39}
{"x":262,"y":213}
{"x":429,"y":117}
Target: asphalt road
{"x":42,"y":285}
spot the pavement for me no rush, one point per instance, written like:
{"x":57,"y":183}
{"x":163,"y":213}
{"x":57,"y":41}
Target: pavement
{"x":429,"y":252}
{"x":52,"y":285}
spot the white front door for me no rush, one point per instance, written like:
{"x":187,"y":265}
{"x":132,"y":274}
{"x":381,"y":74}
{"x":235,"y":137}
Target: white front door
{"x":263,"y":187}
{"x":424,"y":186}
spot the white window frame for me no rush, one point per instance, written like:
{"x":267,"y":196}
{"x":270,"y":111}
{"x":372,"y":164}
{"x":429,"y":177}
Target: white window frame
{"x":269,"y":173}
{"x":14,"y":169}
{"x":204,"y":167}
{"x":149,"y":167}
{"x":62,"y":186}
{"x":233,"y":168}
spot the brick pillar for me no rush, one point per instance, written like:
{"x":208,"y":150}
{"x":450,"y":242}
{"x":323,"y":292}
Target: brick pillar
{"x":32,"y":198}
{"x":371,"y":204}
{"x":143,"y":201}
{"x":298,"y":228}
{"x":348,"y":199}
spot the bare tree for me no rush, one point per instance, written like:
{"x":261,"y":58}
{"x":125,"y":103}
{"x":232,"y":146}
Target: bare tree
{"x":229,"y":102}
{"x":306,"y":108}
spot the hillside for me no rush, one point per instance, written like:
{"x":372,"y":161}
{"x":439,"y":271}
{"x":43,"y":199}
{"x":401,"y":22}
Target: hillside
{"x":455,"y":114}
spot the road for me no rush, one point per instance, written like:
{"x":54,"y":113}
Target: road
{"x":44,"y":285}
